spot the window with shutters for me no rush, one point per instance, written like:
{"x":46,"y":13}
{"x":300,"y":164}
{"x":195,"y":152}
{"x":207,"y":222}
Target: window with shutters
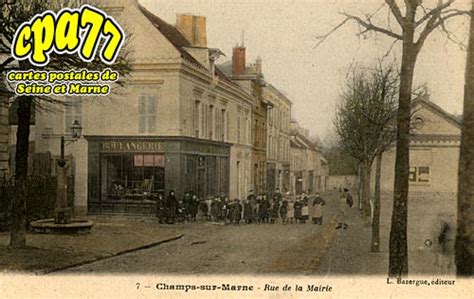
{"x":224,"y":125}
{"x":146,"y":113}
{"x":196,"y":118}
{"x":211,"y":123}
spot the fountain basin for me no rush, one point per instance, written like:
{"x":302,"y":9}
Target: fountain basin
{"x":75,"y":226}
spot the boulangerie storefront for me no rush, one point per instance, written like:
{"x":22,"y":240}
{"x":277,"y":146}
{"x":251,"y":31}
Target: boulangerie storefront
{"x":127,"y":174}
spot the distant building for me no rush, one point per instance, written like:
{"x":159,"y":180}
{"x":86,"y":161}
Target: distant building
{"x":278,"y":139}
{"x":308,"y":168}
{"x":250,"y":78}
{"x":434,"y":152}
{"x":338,"y":182}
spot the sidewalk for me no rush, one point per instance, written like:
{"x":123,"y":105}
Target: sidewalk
{"x":110,"y":236}
{"x":349,"y":253}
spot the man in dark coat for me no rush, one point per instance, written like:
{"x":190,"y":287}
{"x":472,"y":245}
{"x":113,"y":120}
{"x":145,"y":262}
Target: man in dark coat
{"x":236,"y":212}
{"x":187,"y":205}
{"x":160,"y":208}
{"x":252,"y":199}
{"x":248,"y":213}
{"x":264,"y":210}
{"x":215,"y":209}
{"x":171,"y":206}
{"x":193,"y":207}
{"x":298,"y":206}
{"x":275,"y":209}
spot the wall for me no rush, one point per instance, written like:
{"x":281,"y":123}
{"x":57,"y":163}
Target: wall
{"x":342,"y":181}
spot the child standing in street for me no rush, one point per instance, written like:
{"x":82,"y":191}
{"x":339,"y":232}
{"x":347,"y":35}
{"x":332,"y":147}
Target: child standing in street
{"x":318,"y":204}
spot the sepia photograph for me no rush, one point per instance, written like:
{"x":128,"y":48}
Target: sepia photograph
{"x":236,"y":148}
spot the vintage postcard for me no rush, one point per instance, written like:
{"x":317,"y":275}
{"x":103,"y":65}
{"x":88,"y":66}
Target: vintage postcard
{"x":236,"y":148}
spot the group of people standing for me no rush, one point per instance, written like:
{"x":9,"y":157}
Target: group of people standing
{"x":254,"y":209}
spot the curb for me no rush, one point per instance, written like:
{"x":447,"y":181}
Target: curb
{"x":108,"y":256}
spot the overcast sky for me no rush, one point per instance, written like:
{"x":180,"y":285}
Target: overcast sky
{"x":284,"y":33}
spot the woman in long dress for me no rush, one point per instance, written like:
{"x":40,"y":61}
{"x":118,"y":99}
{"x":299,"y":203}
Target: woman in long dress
{"x":345,"y":203}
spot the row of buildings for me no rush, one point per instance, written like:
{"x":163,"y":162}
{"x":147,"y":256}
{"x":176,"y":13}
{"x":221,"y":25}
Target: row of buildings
{"x":182,"y":123}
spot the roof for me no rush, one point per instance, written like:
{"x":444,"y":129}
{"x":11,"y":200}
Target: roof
{"x":172,"y":34}
{"x":226,"y":68}
{"x":280,"y":93}
{"x":295,"y":143}
{"x":180,"y":42}
{"x":449,"y":117}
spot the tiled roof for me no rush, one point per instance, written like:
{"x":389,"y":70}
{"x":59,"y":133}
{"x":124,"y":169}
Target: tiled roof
{"x":172,"y":34}
{"x":179,"y":42}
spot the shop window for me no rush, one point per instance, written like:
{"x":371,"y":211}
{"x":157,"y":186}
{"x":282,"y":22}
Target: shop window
{"x":146,"y":113}
{"x":133,"y":176}
{"x":211,"y":179}
{"x":190,"y":172}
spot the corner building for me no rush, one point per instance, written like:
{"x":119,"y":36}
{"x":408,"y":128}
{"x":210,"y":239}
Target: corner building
{"x":173,"y":127}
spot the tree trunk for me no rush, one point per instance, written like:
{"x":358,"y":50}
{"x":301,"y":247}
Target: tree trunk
{"x":17,"y":233}
{"x":376,"y":218}
{"x":398,"y":260}
{"x":359,"y":185}
{"x":366,"y":210}
{"x":464,"y":248}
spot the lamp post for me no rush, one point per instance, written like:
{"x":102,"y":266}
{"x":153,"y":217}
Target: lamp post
{"x":62,"y":213}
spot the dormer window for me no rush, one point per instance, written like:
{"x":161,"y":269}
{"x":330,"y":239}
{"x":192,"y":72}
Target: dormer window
{"x":214,"y":54}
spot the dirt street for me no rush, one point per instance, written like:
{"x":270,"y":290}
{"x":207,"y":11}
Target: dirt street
{"x":209,"y":248}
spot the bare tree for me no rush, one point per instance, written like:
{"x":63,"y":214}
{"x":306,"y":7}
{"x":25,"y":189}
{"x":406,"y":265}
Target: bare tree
{"x":464,"y":248}
{"x":13,"y":14}
{"x":415,"y":23}
{"x":365,"y":124}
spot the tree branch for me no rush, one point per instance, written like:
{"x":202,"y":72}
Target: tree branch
{"x":395,"y":11}
{"x":371,"y":27}
{"x":322,"y":38}
{"x":435,"y":11}
{"x":434,"y":22}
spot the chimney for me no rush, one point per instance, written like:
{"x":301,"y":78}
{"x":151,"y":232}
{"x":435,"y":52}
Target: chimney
{"x":193,"y":28}
{"x":238,"y":61}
